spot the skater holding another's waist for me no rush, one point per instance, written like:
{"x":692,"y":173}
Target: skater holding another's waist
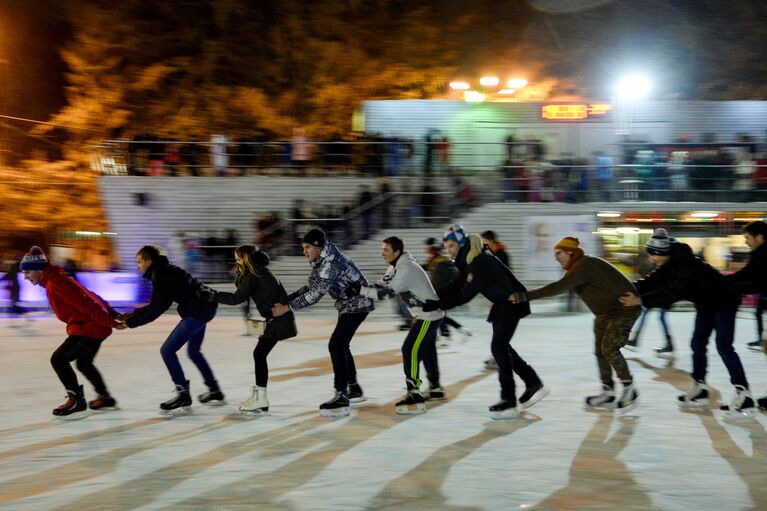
{"x":173,"y":284}
{"x":481,"y":272}
{"x":255,"y":281}
{"x":89,"y":321}
{"x":406,"y":279}
{"x":600,"y":285}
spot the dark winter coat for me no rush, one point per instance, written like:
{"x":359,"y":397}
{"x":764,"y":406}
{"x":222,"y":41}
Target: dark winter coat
{"x":752,"y":278}
{"x":442,"y":272}
{"x":172,"y":284}
{"x":488,"y":276}
{"x":686,"y":277}
{"x":265,"y":290}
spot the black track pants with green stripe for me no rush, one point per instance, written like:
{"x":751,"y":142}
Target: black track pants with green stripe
{"x":420,"y":346}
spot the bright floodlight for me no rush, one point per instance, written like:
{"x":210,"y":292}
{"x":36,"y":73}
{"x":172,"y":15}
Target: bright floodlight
{"x":459,"y":85}
{"x":634,"y":87}
{"x":489,"y":81}
{"x":516,"y":83}
{"x":473,"y":96}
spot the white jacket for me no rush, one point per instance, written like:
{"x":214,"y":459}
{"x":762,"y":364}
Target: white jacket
{"x":411,"y":282}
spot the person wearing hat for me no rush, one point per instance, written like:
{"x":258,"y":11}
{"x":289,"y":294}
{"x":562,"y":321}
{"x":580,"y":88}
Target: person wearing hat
{"x":256,"y":282}
{"x":89,"y":320}
{"x":752,"y":278}
{"x":442,"y":272}
{"x":682,"y":276}
{"x":481,"y":272}
{"x":170,"y":284}
{"x":335,"y":274}
{"x":600,"y":285}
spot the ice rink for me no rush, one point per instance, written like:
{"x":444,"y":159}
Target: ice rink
{"x":557,"y":456}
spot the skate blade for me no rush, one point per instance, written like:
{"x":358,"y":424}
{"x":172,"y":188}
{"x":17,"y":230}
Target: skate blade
{"x":177,"y":412}
{"x":631,"y":348}
{"x":410,"y":409}
{"x":626,"y":409}
{"x":215,"y":403}
{"x":360,"y":399}
{"x":739,"y":414}
{"x":335,"y":412}
{"x":504,"y":416}
{"x":536,"y":397}
{"x":72,"y":416}
{"x":255,"y":413}
{"x":701,"y":404}
{"x":440,"y":398}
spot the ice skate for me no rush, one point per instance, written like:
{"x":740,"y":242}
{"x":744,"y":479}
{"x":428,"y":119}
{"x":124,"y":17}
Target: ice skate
{"x":757,"y":345}
{"x":629,"y":399}
{"x":336,"y":406}
{"x":257,"y":403}
{"x":606,"y":399}
{"x":504,"y":410}
{"x":491,"y":364}
{"x":179,"y":404}
{"x":434,"y":393}
{"x":103,"y":403}
{"x":762,"y":402}
{"x":742,"y":404}
{"x":213,"y":397}
{"x":666,"y":351}
{"x":696,"y":398}
{"x":465,"y":333}
{"x":355,"y":394}
{"x":532,"y":394}
{"x":74,"y":407}
{"x":412,"y":403}
{"x":632,"y":345}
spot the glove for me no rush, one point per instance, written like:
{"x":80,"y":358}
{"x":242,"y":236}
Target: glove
{"x":431,"y":305}
{"x":206,"y":294}
{"x":352,"y":291}
{"x":383,"y":291}
{"x":519,"y":297}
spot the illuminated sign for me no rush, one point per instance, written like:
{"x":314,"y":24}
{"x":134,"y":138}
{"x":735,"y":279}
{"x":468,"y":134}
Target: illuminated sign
{"x":574,"y":111}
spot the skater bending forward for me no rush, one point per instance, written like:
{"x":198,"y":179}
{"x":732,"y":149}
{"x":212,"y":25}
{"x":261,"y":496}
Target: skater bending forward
{"x":89,"y":321}
{"x":481,"y":272}
{"x":256,"y":282}
{"x":600,"y":285}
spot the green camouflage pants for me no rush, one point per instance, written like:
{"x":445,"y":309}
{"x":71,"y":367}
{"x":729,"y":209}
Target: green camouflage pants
{"x":612,"y":333}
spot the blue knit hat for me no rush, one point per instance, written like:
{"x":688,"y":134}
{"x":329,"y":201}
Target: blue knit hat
{"x":34,"y":260}
{"x":456,"y":233}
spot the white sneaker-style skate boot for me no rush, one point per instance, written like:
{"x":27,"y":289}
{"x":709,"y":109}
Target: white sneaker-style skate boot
{"x":605,"y":399}
{"x":629,"y":398}
{"x":257,"y":403}
{"x":696,"y":398}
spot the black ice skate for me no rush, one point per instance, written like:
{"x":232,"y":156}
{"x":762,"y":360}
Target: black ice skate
{"x":606,"y":399}
{"x":629,"y":398}
{"x":412,"y":403}
{"x":491,"y":364}
{"x":742,"y":404}
{"x":74,"y":407}
{"x":696,"y":398}
{"x":762,"y":402}
{"x":180,"y":403}
{"x":354,"y":391}
{"x":336,"y":406}
{"x":434,"y":393}
{"x":757,"y":345}
{"x":666,"y":351}
{"x":504,"y":410}
{"x":213,"y":397}
{"x":103,"y":403}
{"x":532,"y":394}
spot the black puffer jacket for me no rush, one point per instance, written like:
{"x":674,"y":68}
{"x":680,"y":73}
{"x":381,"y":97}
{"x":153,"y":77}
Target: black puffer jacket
{"x":488,"y":276}
{"x":265,"y":290}
{"x":172,"y":284}
{"x":686,"y":277}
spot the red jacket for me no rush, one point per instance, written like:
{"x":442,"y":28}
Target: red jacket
{"x":85,"y":313}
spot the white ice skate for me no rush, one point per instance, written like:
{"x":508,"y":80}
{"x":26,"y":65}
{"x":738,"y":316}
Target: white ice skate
{"x":629,"y":399}
{"x":257,"y":403}
{"x":696,"y":398}
{"x":605,"y":400}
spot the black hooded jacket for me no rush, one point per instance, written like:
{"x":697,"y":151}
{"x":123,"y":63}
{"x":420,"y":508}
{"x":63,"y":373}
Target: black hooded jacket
{"x":487,"y":275}
{"x":172,"y":284}
{"x":752,"y":278}
{"x":265,"y":290}
{"x":686,"y":277}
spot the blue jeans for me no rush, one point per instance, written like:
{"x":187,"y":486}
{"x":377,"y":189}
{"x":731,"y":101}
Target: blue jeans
{"x":724,"y":324}
{"x":191,"y":332}
{"x":642,"y":318}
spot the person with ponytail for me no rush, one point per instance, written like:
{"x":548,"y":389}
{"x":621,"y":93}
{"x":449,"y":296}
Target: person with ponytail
{"x":600,"y":285}
{"x":256,"y":282}
{"x":479,"y":271}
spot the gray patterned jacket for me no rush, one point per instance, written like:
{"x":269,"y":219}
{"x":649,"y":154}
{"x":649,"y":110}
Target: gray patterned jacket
{"x":333,"y":273}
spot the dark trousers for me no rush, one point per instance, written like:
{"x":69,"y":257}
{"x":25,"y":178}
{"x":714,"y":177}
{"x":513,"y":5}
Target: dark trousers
{"x":760,"y":303}
{"x":420,"y":345}
{"x":724,"y":324}
{"x":191,"y":332}
{"x":344,"y":371}
{"x":448,"y":322}
{"x":260,"y":352}
{"x":82,"y":349}
{"x":509,"y":362}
